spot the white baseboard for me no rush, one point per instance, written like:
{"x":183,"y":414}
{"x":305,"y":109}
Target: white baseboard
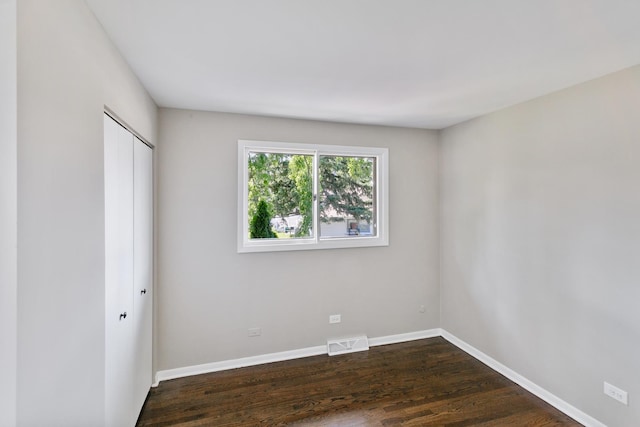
{"x":523,"y":382}
{"x":187,"y":371}
{"x":411,"y":336}
{"x":243,"y":362}
{"x":528,"y":385}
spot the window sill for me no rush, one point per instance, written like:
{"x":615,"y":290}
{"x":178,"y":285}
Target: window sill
{"x":273,"y":245}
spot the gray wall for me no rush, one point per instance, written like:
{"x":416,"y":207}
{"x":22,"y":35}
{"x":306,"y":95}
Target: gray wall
{"x":209,"y":295}
{"x":541,"y":238}
{"x":539,"y":208}
{"x":67,"y":72}
{"x":8,"y":212}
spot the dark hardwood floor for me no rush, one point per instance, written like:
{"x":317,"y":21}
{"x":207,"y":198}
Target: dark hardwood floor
{"x":419,"y":383}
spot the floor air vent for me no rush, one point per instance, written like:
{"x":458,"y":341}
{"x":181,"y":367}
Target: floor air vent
{"x":347,"y":345}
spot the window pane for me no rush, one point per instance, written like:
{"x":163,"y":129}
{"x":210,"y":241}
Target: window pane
{"x":347,"y":196}
{"x":280,"y":191}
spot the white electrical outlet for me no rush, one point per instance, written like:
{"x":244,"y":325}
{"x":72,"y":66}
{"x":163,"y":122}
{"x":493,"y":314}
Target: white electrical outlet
{"x":255,"y":332}
{"x":335,"y":318}
{"x":615,"y":393}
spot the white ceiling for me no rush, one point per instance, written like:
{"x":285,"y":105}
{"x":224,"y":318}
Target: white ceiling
{"x":417,"y":63}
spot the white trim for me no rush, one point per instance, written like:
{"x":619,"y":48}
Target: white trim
{"x":410,"y":336}
{"x":243,"y":362}
{"x":246,"y":245}
{"x":523,"y":382}
{"x":224,"y":365}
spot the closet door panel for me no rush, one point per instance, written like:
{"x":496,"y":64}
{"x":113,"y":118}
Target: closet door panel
{"x":119,"y":368}
{"x":143,"y":271}
{"x":125,"y":219}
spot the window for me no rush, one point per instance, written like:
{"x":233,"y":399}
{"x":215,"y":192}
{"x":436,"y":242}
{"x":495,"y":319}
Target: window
{"x":300,"y":196}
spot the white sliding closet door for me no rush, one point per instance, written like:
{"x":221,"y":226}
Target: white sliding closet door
{"x":142,"y":270}
{"x":118,"y":176}
{"x":128,"y":178}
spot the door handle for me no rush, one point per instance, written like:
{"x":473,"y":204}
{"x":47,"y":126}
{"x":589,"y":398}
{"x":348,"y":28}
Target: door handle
{"x":144,"y":291}
{"x":123,"y":315}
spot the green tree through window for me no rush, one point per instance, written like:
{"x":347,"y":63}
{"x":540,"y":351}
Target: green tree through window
{"x":313,"y":195}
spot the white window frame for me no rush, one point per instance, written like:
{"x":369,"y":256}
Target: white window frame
{"x":315,"y":242}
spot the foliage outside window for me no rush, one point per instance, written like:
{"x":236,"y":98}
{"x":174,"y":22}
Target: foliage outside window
{"x":298,"y":196}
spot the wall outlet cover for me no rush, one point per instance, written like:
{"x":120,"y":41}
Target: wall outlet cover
{"x":616,"y":393}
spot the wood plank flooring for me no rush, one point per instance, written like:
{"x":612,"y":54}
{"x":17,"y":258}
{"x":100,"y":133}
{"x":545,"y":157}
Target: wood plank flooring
{"x":419,"y":383}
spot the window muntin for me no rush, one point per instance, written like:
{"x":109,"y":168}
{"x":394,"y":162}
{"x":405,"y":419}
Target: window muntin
{"x":317,"y":196}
